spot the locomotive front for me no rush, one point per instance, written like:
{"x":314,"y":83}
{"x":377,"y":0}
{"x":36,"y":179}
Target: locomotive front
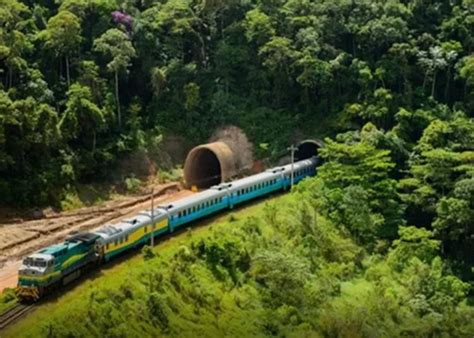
{"x":35,"y":274}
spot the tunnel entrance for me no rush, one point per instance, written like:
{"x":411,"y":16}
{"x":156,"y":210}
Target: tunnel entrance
{"x":307,"y":149}
{"x":204,"y":169}
{"x":209,"y":164}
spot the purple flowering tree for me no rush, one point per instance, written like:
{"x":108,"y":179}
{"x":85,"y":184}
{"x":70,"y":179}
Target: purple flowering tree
{"x":122,"y":18}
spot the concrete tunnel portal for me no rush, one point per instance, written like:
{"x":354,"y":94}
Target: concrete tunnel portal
{"x":213,"y":163}
{"x":209,"y":164}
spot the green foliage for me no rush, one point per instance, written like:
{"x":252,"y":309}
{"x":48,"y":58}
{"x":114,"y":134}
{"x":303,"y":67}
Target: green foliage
{"x":132,"y":184}
{"x":277,"y":69}
{"x":279,"y":268}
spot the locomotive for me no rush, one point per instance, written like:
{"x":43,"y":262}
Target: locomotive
{"x":57,"y":265}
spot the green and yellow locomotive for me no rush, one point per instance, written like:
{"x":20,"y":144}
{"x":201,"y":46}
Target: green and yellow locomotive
{"x":56,"y":265}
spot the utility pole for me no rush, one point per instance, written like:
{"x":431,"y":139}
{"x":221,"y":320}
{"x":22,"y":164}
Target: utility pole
{"x":152,"y":216}
{"x":292,"y":149}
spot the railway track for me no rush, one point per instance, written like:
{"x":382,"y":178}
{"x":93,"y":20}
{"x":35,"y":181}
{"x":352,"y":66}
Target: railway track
{"x":11,"y":315}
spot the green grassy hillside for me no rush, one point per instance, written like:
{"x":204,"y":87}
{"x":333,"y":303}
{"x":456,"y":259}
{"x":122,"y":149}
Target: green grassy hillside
{"x":277,"y":268}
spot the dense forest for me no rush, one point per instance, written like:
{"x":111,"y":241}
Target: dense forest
{"x":380,"y":243}
{"x":84,"y":82}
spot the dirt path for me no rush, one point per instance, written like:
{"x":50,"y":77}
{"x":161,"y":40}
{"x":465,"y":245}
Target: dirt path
{"x":20,"y":239}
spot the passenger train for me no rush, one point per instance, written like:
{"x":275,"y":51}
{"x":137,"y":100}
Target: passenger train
{"x":59,"y":264}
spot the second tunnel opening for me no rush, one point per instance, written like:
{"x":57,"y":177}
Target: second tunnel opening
{"x":307,"y":149}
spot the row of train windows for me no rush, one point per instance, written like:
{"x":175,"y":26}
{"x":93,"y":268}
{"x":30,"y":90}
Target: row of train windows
{"x":117,"y":241}
{"x":300,"y":172}
{"x":256,"y":187}
{"x":199,"y":207}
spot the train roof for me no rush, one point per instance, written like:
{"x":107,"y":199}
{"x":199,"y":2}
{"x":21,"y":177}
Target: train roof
{"x":41,"y":256}
{"x":266,"y":175}
{"x":85,"y":237}
{"x":58,"y":249}
{"x":124,"y":226}
{"x":193,"y":199}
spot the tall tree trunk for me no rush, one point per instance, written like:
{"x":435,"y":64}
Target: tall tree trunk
{"x":433,"y":85}
{"x":68,"y":78}
{"x":424,"y":82}
{"x":119,"y":114}
{"x":448,"y":84}
{"x":10,"y":77}
{"x":94,"y":141}
{"x":60,"y":69}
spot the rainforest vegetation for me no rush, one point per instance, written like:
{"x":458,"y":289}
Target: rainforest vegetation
{"x":380,"y":243}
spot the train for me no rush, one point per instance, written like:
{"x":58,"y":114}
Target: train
{"x":57,"y":265}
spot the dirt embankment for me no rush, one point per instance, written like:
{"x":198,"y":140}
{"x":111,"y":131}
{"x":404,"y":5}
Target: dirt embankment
{"x":18,"y":239}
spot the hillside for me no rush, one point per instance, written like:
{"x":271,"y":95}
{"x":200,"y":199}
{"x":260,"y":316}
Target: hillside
{"x":278,"y":268}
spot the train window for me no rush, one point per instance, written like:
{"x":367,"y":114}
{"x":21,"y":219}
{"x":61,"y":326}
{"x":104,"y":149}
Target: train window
{"x":146,"y":229}
{"x":107,"y":246}
{"x":126,"y":238}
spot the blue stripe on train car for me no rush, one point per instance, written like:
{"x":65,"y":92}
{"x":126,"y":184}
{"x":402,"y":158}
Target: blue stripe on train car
{"x":297,"y":178}
{"x":176,"y":222}
{"x":235,"y":199}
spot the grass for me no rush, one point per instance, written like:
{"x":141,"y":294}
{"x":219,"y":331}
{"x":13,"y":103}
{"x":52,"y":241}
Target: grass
{"x":7,"y":300}
{"x":127,"y":267}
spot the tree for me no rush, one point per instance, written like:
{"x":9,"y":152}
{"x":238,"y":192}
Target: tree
{"x":358,"y":192}
{"x":258,"y":26}
{"x":63,"y":36}
{"x":467,"y":70}
{"x":14,"y":39}
{"x":117,"y":45}
{"x":432,"y":61}
{"x":413,"y":242}
{"x":158,"y":80}
{"x":82,"y":117}
{"x":454,"y":221}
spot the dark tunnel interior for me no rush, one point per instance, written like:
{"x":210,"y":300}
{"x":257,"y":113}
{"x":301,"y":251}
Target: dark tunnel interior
{"x":306,"y":150}
{"x":204,"y":169}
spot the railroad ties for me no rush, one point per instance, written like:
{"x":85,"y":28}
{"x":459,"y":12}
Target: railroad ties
{"x":13,"y":314}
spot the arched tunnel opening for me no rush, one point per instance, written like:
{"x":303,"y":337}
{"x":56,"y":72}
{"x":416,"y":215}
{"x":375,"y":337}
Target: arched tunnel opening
{"x":307,"y":149}
{"x":209,"y":164}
